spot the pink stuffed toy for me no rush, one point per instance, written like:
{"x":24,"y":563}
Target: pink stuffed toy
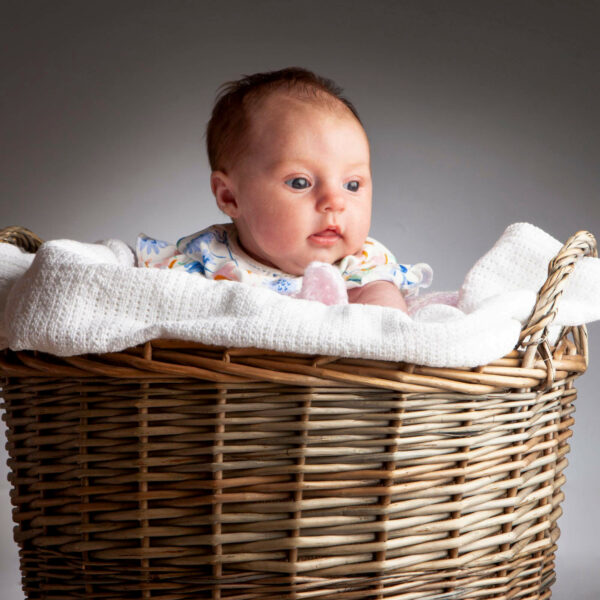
{"x":324,"y":283}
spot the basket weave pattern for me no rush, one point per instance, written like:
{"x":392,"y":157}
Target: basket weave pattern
{"x":178,"y":471}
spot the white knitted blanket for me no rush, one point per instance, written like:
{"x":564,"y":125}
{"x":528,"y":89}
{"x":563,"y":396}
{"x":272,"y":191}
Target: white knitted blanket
{"x":78,"y":298}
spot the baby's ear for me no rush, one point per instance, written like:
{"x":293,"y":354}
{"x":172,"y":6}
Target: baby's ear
{"x":222,"y":188}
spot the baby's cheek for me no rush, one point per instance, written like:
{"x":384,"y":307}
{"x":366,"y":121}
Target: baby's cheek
{"x":357,"y":236}
{"x":278,"y":237}
{"x":362,"y":231}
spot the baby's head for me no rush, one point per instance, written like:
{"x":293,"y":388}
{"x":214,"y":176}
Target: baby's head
{"x":291,"y":167}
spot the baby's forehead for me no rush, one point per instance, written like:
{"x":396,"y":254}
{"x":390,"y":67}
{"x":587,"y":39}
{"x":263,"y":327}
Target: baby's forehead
{"x":280,"y":121}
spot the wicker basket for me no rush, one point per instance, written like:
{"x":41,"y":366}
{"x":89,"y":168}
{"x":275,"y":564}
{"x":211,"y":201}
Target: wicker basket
{"x":175,"y":470}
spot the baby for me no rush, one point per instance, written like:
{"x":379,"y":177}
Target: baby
{"x":291,"y":167}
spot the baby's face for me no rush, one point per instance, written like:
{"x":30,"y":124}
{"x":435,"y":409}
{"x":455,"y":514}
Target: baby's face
{"x":302,"y":190}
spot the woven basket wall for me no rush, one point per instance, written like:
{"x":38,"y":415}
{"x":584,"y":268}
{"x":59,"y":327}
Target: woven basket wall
{"x":177,"y":471}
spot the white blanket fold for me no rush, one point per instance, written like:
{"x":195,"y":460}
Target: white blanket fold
{"x":78,"y":298}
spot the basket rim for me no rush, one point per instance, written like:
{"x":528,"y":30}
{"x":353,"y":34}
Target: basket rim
{"x":165,"y":359}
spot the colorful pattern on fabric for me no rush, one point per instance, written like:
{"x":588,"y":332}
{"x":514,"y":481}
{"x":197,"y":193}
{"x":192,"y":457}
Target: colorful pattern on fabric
{"x":215,"y":252}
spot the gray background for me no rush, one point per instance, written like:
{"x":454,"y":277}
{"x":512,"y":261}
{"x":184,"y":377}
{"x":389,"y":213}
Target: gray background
{"x":479,"y":113}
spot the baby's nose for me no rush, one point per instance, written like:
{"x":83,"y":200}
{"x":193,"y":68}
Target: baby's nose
{"x":331,"y":201}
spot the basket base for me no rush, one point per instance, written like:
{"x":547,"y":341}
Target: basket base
{"x":526,"y":578}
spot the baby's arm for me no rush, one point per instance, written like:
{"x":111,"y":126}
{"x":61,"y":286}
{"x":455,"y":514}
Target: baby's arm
{"x":383,"y":293}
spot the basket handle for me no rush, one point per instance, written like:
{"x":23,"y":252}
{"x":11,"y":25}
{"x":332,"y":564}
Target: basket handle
{"x":534,"y":332}
{"x":22,"y":238}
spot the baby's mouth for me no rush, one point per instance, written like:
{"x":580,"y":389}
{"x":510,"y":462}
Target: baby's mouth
{"x":326,"y":237}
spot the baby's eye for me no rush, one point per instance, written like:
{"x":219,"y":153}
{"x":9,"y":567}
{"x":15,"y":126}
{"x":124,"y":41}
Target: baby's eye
{"x":353,"y":186}
{"x":298,"y":183}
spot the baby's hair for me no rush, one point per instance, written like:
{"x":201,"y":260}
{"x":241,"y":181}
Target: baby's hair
{"x":229,"y":124}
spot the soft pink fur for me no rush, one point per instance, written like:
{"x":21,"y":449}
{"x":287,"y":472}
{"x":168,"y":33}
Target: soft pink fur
{"x":324,"y":283}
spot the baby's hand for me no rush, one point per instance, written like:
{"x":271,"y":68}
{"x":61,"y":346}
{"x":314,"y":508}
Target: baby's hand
{"x":383,"y":293}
